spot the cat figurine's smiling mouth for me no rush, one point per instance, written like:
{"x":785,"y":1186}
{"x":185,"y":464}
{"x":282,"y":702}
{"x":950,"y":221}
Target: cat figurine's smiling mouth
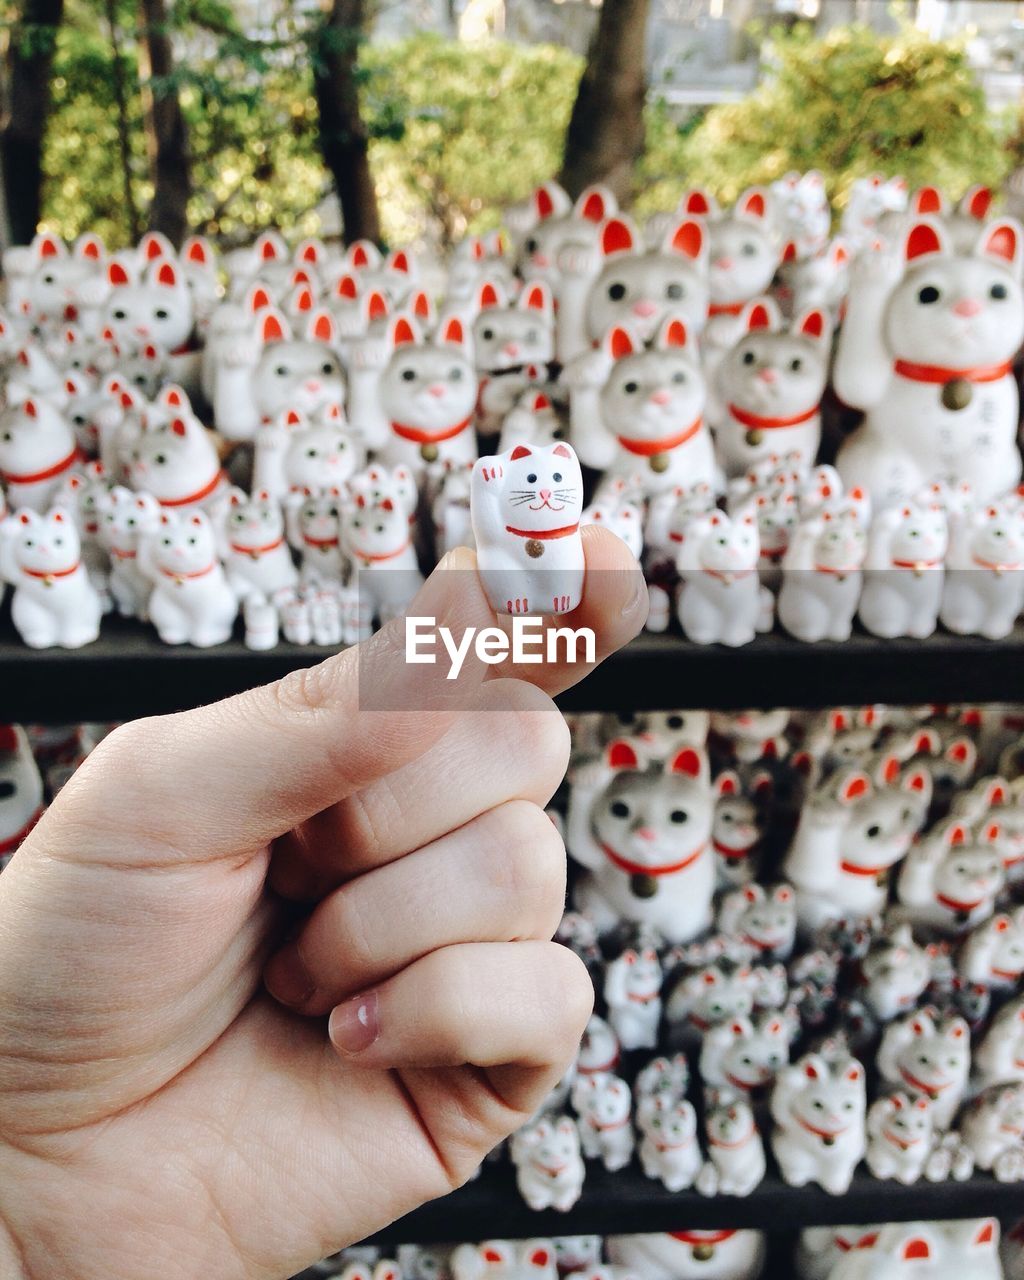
{"x":546,"y":503}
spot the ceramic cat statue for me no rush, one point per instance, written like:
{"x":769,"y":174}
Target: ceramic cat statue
{"x":253,"y":546}
{"x":643,"y":836}
{"x":768,"y":388}
{"x":951,"y":878}
{"x":850,"y":834}
{"x":37,"y":452}
{"x":900,"y":1137}
{"x":993,"y":954}
{"x":983,"y":589}
{"x":992,"y":1125}
{"x":624,"y":519}
{"x":904,"y":571}
{"x":710,"y":997}
{"x":930,"y":1059}
{"x":819,"y":1113}
{"x":820,"y":282}
{"x":314,"y":530}
{"x":738,"y":829}
{"x":764,"y":918}
{"x":736,"y":1164}
{"x":63,"y":284}
{"x":669,"y":1150}
{"x":175,"y":458}
{"x":686,"y":1255}
{"x":152,"y":302}
{"x":54,"y":603}
{"x":929,"y":1250}
{"x":871,"y":199}
{"x":549,"y":1165}
{"x":21,"y":789}
{"x":192,"y":601}
{"x":604,"y":1105}
{"x":296,"y":370}
{"x":632,"y":992}
{"x":297,"y":453}
{"x":366,"y":357}
{"x":664,"y":1078}
{"x":999,"y":1058}
{"x":822,"y":575}
{"x":720,"y":599}
{"x":508,"y":338}
{"x":740,"y":1057}
{"x":377,"y":539}
{"x":752,"y":735}
{"x":896,"y":972}
{"x":525,"y":507}
{"x":126,"y":518}
{"x":649,"y":421}
{"x":600,"y":1051}
{"x":802,"y":214}
{"x":927,"y":355}
{"x":502,"y":1260}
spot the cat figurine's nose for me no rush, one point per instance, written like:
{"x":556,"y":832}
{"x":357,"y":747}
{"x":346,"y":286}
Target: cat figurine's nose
{"x":646,"y":833}
{"x":661,"y":397}
{"x":436,"y":389}
{"x":644,"y":307}
{"x":545,"y":494}
{"x":767,"y":375}
{"x":967,"y":307}
{"x":312,"y":386}
{"x":723,"y":264}
{"x":511,"y":349}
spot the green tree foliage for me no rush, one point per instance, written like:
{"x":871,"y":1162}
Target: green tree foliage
{"x":849,"y":104}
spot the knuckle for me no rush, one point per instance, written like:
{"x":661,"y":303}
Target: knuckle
{"x":541,"y":737}
{"x":300,"y":692}
{"x":529,"y":862}
{"x":570,"y":996}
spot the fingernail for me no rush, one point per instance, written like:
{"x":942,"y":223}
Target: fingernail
{"x":353,"y":1025}
{"x":638,"y":599}
{"x":287,"y":979}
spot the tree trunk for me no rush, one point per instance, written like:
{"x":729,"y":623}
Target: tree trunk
{"x":344,"y":142}
{"x":166,"y":133}
{"x":29,"y":60}
{"x":606,"y":130}
{"x":124,"y":133}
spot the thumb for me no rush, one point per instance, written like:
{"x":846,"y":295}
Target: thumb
{"x":237,"y":774}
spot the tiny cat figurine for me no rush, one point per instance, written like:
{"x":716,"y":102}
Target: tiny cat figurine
{"x":819,"y":1108}
{"x":604,"y":1104}
{"x":904,"y":571}
{"x":693,"y":1254}
{"x":507,"y":339}
{"x":993,"y":954}
{"x":450,"y":510}
{"x":253,"y":547}
{"x":314,"y":520}
{"x":820,"y":281}
{"x":999,"y":1058}
{"x":928,"y":1250}
{"x":632,"y":991}
{"x":54,"y":603}
{"x":152,"y":303}
{"x":175,"y":458}
{"x":871,"y":198}
{"x":643,"y":834}
{"x":736,"y":1164}
{"x":669,"y":1150}
{"x":549,"y":1166}
{"x":649,"y":419}
{"x":768,"y":388}
{"x":37,"y":451}
{"x":192,"y":601}
{"x":802,"y":214}
{"x":992,"y":1125}
{"x":983,"y":590}
{"x":951,"y":878}
{"x":494,"y":1260}
{"x":526,"y":506}
{"x":738,"y":828}
{"x":901,"y":1137}
{"x":599,"y":1048}
{"x":297,"y":453}
{"x":928,"y":1058}
{"x":376,"y":538}
{"x":65,"y":285}
{"x":304,"y":373}
{"x":624,"y":519}
{"x":366,"y":357}
{"x":710,"y":997}
{"x":21,"y":789}
{"x":664,"y":1078}
{"x":896,"y":971}
{"x":822,"y":575}
{"x":763,"y":918}
{"x":127,"y":517}
{"x":740,"y":1057}
{"x":720,"y":599}
{"x":427,"y":391}
{"x":928,"y":356}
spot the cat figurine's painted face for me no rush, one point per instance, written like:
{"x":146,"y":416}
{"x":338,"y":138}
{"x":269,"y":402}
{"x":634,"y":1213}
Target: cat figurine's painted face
{"x":126,"y":517}
{"x":46,"y":543}
{"x":776,"y":371}
{"x":33,"y":437}
{"x":541,"y":488}
{"x":729,"y":545}
{"x":428,"y":386}
{"x":637,"y":290}
{"x":253,"y":521}
{"x":65,"y":282}
{"x":173,"y":457}
{"x":997,"y":537}
{"x":561,"y":226}
{"x":475,"y":260}
{"x":320,"y":454}
{"x":920,"y":537}
{"x":652,"y":393}
{"x":183,"y":543}
{"x":375,"y":532}
{"x":297,"y":373}
{"x":958,"y":311}
{"x":743,"y":254}
{"x":505,"y":337}
{"x":153,"y":305}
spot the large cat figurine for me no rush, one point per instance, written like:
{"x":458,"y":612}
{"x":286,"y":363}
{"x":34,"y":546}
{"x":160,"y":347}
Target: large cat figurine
{"x":644,"y":835}
{"x":769,"y":388}
{"x":154,"y":304}
{"x":509,"y":339}
{"x":293,"y":371}
{"x":428,"y":391}
{"x":928,"y":357}
{"x":526,"y":506}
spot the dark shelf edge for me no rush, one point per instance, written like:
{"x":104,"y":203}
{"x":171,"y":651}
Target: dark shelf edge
{"x":129,"y":673}
{"x":491,"y":1208}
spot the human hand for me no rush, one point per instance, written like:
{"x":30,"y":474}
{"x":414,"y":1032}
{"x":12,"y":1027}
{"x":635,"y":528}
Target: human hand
{"x":160,"y":1113}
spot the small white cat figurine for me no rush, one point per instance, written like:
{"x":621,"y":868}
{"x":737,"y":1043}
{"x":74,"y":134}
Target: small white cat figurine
{"x":192,"y":601}
{"x":54,"y":602}
{"x":37,"y":451}
{"x":526,"y":506}
{"x":720,"y":601}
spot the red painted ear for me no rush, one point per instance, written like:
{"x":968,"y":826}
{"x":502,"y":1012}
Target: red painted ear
{"x":979,"y":202}
{"x":813,"y":324}
{"x":1001,"y":242}
{"x":616,"y":237}
{"x":957,"y":834}
{"x":922,"y":1104}
{"x":544,"y":204}
{"x":622,"y":755}
{"x":891,"y":768}
{"x":453,"y":331}
{"x":25,"y":518}
{"x":293,"y":419}
{"x":268,"y":250}
{"x":92,"y":248}
{"x":70,"y":387}
{"x":561,"y":451}
{"x":928,"y":200}
{"x":388,"y":505}
{"x":488,"y":296}
{"x":178,"y":427}
{"x":520,"y":451}
{"x":916,"y":1250}
{"x":310,"y":253}
{"x":152,"y":247}
{"x":854,"y":1072}
{"x":376,"y":306}
{"x":346,"y":288}
{"x":116,"y":274}
{"x":491,"y":1255}
{"x":753,"y":205}
{"x":400,"y":262}
{"x":593,"y":207}
{"x":167,"y":275}
{"x":196,"y":252}
{"x":917,"y":781}
{"x":272,"y":329}
{"x":1001,"y":924}
{"x":620,"y":343}
{"x":838,"y":718}
{"x":737,"y":1028}
{"x":197,"y":520}
{"x":30,"y":408}
{"x":49,"y":247}
{"x":323,"y":327}
{"x":985,"y":1235}
{"x":811,"y":1071}
{"x":728,"y":784}
{"x":697,"y":203}
{"x":359,"y":256}
{"x":688,"y":239}
{"x":858,"y":784}
{"x":58,"y":517}
{"x":304,"y":302}
{"x":536,"y":298}
{"x":789,"y":253}
{"x":675,"y":334}
{"x":923,"y":239}
{"x":541,"y":402}
{"x":259,"y":299}
{"x":758,"y":317}
{"x":403,"y":332}
{"x":687,"y":761}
